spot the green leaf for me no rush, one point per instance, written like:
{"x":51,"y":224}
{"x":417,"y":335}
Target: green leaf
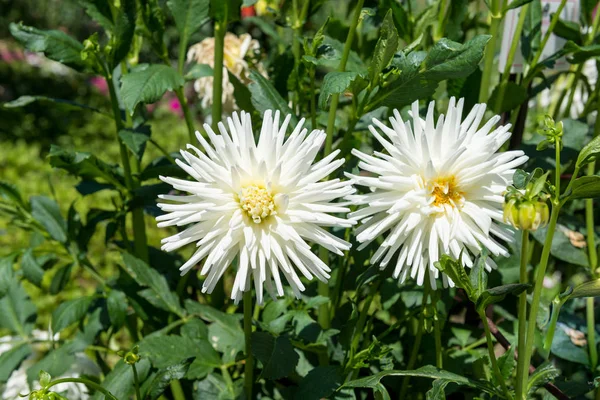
{"x":276,"y":354}
{"x":520,"y":179}
{"x":333,"y":83}
{"x":70,"y":312}
{"x":116,"y":303}
{"x":47,"y":213}
{"x":16,"y":309}
{"x":147,"y":84}
{"x":10,"y":192}
{"x":506,"y":363}
{"x":215,"y":387}
{"x":23,"y":101}
{"x":319,"y":383}
{"x":99,"y":11}
{"x":119,"y":381}
{"x":59,"y":360}
{"x":148,"y":277}
{"x":225,"y":10}
{"x":189,"y":15}
{"x":123,"y":32}
{"x":516,"y":4}
{"x":579,"y":54}
{"x":44,"y":378}
{"x":162,"y":378}
{"x":589,"y":153}
{"x":165,"y":351}
{"x":195,"y":329}
{"x":456,"y":272}
{"x":32,"y":270}
{"x":568,"y":30}
{"x":265,"y":96}
{"x":586,"y":289}
{"x":513,"y":96}
{"x":585,"y":187}
{"x":135,"y":141}
{"x":225,"y":332}
{"x":448,"y":59}
{"x":386,"y":47}
{"x":56,"y":45}
{"x":498,"y":293}
{"x":241,"y":93}
{"x":11,"y":359}
{"x":562,"y":248}
{"x":427,"y":371}
{"x":543,"y":374}
{"x":420,"y":74}
{"x":539,"y":184}
{"x":478,"y":277}
{"x":61,"y":278}
{"x":85,"y":165}
{"x":198,"y":71}
{"x":532,"y":30}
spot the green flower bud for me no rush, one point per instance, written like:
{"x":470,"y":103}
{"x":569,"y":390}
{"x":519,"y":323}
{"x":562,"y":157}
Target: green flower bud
{"x":526,"y":215}
{"x":542,"y":214}
{"x":511,"y":213}
{"x":131,"y":358}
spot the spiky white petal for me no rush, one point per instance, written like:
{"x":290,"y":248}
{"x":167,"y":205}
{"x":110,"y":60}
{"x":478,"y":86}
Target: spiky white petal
{"x":437,"y":188}
{"x":259,"y":202}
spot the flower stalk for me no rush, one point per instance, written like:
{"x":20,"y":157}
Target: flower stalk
{"x":521,"y":346}
{"x":490,"y":51}
{"x":249,"y":365}
{"x":220,"y":30}
{"x":492,"y":355}
{"x":323,"y":288}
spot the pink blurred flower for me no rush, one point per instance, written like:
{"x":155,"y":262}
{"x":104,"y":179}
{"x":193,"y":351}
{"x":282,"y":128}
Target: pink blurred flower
{"x":100,"y":84}
{"x":175,"y":107}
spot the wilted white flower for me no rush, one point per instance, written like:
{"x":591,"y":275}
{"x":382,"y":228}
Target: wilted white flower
{"x":236,"y":48}
{"x":259,"y":202}
{"x":437,"y":189}
{"x":17,"y":382}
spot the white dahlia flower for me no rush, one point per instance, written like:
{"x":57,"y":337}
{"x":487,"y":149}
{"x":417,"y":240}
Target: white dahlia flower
{"x":437,"y":189}
{"x":259,"y":203}
{"x":236,"y":50}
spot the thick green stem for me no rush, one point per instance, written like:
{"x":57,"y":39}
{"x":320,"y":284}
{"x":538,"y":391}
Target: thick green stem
{"x":86,"y":382}
{"x":177,"y":390}
{"x":553,"y":22}
{"x":556,"y":306}
{"x":136,"y":382}
{"x":591,"y":336}
{"x":313,"y":99}
{"x":439,"y":351}
{"x":490,"y":51}
{"x":416,"y":346}
{"x":521,"y":367}
{"x":511,"y":56}
{"x":249,"y":366}
{"x":490,"y":346}
{"x":220,"y":30}
{"x":362,"y":319}
{"x":341,"y":68}
{"x":187,"y":115}
{"x":441,"y":20}
{"x":139,"y":229}
{"x":593,"y":259}
{"x":537,"y":292}
{"x":323,"y":288}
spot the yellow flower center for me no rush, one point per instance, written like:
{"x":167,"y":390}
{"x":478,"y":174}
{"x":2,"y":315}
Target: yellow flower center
{"x":445,"y":191}
{"x":257,"y":202}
